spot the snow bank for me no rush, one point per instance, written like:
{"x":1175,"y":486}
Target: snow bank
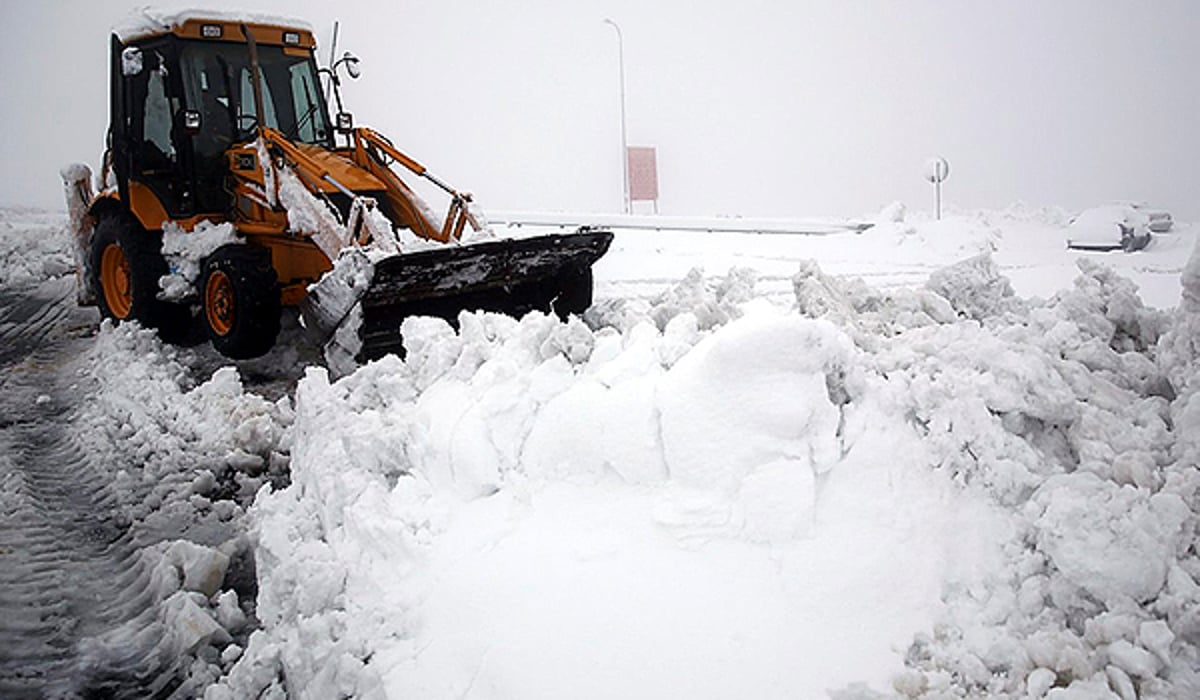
{"x":185,"y":459}
{"x":937,"y":491}
{"x":511,"y":497}
{"x":1062,"y":412}
{"x":174,"y":432}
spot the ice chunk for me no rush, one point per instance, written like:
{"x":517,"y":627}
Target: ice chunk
{"x":202,"y":569}
{"x":229,"y":613}
{"x":190,"y":626}
{"x":1156,"y":636}
{"x":1039,"y":681}
{"x":231,"y":653}
{"x":1120,"y":682}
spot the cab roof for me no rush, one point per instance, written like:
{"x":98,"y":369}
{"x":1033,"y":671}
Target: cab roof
{"x":215,"y":25}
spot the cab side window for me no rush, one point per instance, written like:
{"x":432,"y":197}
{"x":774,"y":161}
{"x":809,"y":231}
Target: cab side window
{"x":156,"y":117}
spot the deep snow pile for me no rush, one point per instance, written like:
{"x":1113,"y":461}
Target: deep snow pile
{"x":1063,"y":413}
{"x":932,"y":492}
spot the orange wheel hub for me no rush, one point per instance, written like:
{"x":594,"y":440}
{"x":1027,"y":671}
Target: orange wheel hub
{"x":116,"y":281}
{"x":219,"y":302}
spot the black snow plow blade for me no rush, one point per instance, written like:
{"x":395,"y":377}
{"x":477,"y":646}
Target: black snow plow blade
{"x":511,"y":276}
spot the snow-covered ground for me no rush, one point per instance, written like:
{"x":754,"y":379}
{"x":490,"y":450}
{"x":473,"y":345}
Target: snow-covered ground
{"x":931,"y":459}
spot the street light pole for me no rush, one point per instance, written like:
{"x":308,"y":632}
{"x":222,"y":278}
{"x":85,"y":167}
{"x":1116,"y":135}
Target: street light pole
{"x":624,"y":140}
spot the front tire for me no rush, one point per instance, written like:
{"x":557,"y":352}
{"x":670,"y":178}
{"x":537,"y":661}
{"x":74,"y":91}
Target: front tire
{"x":126,"y":264}
{"x":240,"y":294}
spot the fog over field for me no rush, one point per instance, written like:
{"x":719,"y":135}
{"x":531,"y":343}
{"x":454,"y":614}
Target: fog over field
{"x":756,"y":109}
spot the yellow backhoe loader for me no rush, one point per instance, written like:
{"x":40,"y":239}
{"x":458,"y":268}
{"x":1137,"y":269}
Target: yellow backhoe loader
{"x":221,"y":147}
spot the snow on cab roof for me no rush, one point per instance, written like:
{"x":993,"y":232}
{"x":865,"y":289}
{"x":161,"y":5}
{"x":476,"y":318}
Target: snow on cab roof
{"x":147,"y":21}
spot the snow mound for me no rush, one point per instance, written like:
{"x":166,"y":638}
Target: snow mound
{"x":491,"y":463}
{"x":941,"y":491}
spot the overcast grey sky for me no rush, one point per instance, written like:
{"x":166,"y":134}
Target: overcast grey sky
{"x":757,"y":108}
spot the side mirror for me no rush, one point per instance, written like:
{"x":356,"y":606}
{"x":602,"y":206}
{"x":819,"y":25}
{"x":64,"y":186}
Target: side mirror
{"x":191,"y":122}
{"x":344,"y":122}
{"x":352,"y":68}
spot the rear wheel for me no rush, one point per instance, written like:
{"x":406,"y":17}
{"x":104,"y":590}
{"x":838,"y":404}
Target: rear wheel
{"x":241,"y":301}
{"x":126,"y":264}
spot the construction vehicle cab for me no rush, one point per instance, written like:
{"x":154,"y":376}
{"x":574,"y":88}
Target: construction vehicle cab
{"x":221,"y":123}
{"x":180,"y":100}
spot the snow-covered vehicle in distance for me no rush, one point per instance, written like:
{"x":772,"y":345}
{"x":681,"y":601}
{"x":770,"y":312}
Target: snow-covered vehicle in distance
{"x":1126,"y":227}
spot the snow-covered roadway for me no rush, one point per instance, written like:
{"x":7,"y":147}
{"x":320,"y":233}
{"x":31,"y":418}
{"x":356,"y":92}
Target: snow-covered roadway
{"x":69,"y":569}
{"x":121,"y":550}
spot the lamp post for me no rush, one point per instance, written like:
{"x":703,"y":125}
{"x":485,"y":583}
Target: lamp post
{"x":624,"y":141}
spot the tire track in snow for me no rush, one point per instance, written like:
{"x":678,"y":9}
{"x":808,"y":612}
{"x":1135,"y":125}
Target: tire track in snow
{"x":78,"y":612}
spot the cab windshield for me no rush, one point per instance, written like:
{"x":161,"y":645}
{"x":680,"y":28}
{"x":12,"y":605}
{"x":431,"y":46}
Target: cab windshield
{"x":217,"y":83}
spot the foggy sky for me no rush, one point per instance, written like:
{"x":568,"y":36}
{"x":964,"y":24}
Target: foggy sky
{"x":781,"y":108}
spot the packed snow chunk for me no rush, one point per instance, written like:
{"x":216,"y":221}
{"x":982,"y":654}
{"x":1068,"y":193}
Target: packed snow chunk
{"x":591,"y":430}
{"x":201,"y":569}
{"x":1094,"y":688}
{"x":975,"y":288}
{"x":779,"y":501}
{"x":754,"y":397}
{"x":231,"y":654}
{"x":819,"y":295}
{"x":36,"y":246}
{"x":1107,"y":306}
{"x":1157,"y":636}
{"x":229,"y":613}
{"x":77,"y":187}
{"x":131,"y":61}
{"x":713,"y":304}
{"x":1114,"y":542}
{"x":185,"y":252}
{"x":190,"y":625}
{"x":309,"y":215}
{"x":331,"y":298}
{"x":1132,"y":659}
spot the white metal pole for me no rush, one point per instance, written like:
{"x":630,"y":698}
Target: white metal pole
{"x":332,"y":58}
{"x":624,"y":140}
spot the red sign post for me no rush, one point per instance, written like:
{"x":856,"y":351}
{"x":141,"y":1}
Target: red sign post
{"x":643,"y":174}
